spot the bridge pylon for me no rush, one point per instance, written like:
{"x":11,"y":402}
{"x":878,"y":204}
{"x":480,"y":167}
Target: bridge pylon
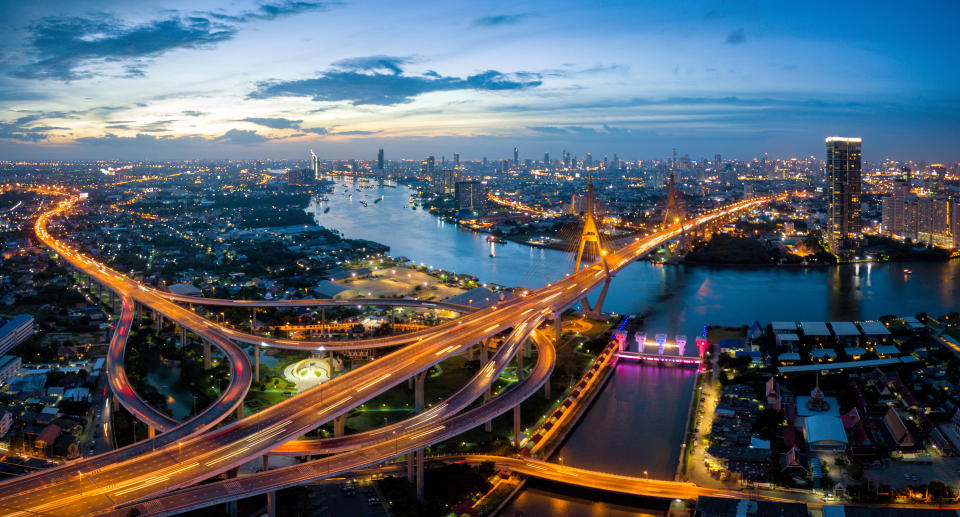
{"x":591,"y":236}
{"x":673,"y":212}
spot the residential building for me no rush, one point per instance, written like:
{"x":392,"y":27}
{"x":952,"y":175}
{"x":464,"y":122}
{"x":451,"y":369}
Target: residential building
{"x":9,"y":366}
{"x":470,"y":195}
{"x":15,"y":331}
{"x":843,"y":182}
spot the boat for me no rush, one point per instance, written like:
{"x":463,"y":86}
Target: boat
{"x":907,"y":271}
{"x":325,"y":210}
{"x":496,"y":239}
{"x":413,"y":208}
{"x":379,"y":199}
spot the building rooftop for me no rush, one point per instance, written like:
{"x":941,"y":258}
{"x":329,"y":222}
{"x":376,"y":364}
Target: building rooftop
{"x":846,"y":364}
{"x":874,"y":328}
{"x":844,"y":328}
{"x":814,"y":328}
{"x":824,"y":429}
{"x":185,"y":289}
{"x":784,"y":325}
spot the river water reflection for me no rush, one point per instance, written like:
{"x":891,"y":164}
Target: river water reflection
{"x":637,"y":421}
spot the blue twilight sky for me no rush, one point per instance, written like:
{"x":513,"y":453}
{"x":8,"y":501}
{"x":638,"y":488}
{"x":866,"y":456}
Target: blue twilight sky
{"x":275,"y":78}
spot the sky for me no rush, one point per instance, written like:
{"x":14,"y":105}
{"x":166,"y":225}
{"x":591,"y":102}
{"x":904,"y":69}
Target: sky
{"x":245,"y":79}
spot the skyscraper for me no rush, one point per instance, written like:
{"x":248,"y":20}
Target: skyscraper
{"x":843,"y":181}
{"x":516,"y":157}
{"x":431,"y":164}
{"x":315,"y":165}
{"x":456,"y":160}
{"x":893,"y":207}
{"x":380,"y":159}
{"x":546,"y":159}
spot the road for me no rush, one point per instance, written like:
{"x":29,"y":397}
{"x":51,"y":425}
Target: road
{"x":390,"y":447}
{"x":186,"y":457}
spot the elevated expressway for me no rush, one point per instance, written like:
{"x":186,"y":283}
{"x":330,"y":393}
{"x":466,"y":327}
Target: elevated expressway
{"x":187,"y":454}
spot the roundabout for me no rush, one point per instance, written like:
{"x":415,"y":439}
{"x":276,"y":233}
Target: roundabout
{"x":312,"y":371}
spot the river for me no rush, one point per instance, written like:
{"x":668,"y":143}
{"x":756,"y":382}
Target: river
{"x":642,"y":405}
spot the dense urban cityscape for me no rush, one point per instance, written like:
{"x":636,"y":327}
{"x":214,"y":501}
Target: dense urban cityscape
{"x":388,"y":290}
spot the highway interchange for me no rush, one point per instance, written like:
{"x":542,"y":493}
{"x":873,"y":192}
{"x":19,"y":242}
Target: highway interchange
{"x":194,"y":450}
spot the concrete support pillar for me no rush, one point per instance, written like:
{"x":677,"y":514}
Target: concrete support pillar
{"x":113,"y":301}
{"x":271,"y":504}
{"x":420,"y":460}
{"x":239,"y":411}
{"x":517,"y":434}
{"x":546,"y":388}
{"x":339,"y":425}
{"x":266,"y":463}
{"x":183,"y":335}
{"x":158,"y":320}
{"x":151,"y":431}
{"x":527,"y":349}
{"x":253,"y":319}
{"x":557,"y":327}
{"x":206,"y":352}
{"x":598,"y":307}
{"x":232,"y":505}
{"x":418,"y":394}
{"x":256,"y":363}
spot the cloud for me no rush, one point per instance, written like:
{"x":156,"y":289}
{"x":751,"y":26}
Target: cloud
{"x":78,"y":47}
{"x":272,"y":10}
{"x":549,"y":130}
{"x":499,"y":20}
{"x":273,"y":123}
{"x":241,"y":137}
{"x":112,"y":141}
{"x":736,"y":37}
{"x":379,"y":80}
{"x":20,"y":129}
{"x":355,"y":132}
{"x":193,"y":113}
{"x":374,"y":63}
{"x":315,"y":130}
{"x":65,"y":48}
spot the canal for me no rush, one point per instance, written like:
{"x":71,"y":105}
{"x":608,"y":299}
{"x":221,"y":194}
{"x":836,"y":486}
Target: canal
{"x":641,"y":411}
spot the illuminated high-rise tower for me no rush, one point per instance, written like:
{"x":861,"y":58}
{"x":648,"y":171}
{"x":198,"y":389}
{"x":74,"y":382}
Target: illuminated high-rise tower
{"x":380,"y":159}
{"x":843,"y":182}
{"x":516,"y":157}
{"x":315,"y":165}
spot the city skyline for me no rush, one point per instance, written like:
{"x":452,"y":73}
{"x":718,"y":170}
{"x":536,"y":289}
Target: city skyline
{"x":269,"y":79}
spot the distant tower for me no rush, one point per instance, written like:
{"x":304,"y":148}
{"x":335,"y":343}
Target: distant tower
{"x":380,"y":159}
{"x":431,"y":164}
{"x":516,"y":157}
{"x":315,"y":165}
{"x":843,"y":182}
{"x":456,"y":160}
{"x":546,"y":160}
